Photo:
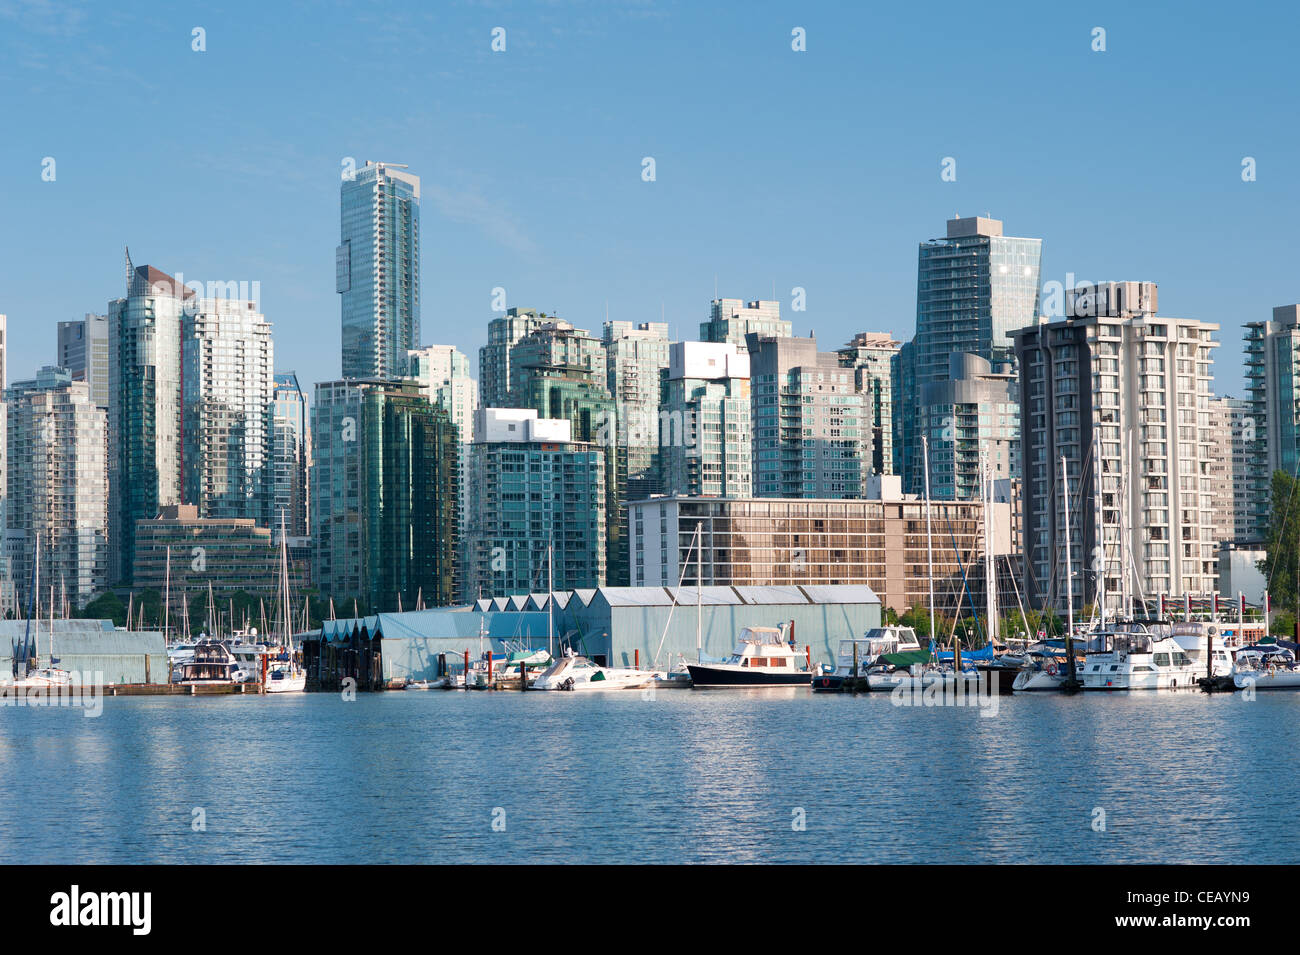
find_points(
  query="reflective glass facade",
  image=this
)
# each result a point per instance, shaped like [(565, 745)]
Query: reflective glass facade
[(377, 267)]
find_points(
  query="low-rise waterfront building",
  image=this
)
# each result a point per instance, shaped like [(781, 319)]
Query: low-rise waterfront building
[(229, 554), (614, 626), (878, 542)]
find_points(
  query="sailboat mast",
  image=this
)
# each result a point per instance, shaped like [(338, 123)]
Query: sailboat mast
[(1101, 527), (990, 569), (929, 535), (167, 599), (1069, 566), (36, 586), (699, 594), (550, 599)]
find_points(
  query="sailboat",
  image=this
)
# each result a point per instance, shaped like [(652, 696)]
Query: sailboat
[(680, 676), (892, 671), (284, 674), (28, 657)]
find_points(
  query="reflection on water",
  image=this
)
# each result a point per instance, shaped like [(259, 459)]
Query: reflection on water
[(681, 776)]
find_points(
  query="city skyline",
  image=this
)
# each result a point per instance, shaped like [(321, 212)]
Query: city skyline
[(543, 223)]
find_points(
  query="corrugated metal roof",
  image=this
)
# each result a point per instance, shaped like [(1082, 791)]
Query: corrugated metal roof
[(519, 602), (16, 628), (841, 594), (634, 596), (585, 596), (562, 599), (772, 595), (709, 596), (482, 604), (500, 603)]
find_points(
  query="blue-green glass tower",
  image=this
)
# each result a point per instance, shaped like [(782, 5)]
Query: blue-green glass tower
[(377, 270), (973, 288)]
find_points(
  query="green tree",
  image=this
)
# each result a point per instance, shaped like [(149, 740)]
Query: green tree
[(107, 606), (1281, 564)]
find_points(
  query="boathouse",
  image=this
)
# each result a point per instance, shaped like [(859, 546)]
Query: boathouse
[(88, 648), (618, 626)]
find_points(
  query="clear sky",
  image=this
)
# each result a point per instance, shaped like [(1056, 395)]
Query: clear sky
[(774, 168)]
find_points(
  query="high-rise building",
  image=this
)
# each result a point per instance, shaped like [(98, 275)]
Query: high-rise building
[(1271, 429), (57, 442), (145, 406), (807, 419), (443, 373), (504, 332), (534, 489), (732, 320), (561, 373), (636, 355), (555, 350), (1122, 394), (974, 288), (972, 424), (290, 457), (384, 491), (873, 356), (377, 267), (229, 387), (706, 446), (83, 350), (1231, 470)]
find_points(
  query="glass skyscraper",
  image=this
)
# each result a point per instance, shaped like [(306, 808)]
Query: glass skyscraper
[(229, 376), (377, 270), (974, 287), (384, 493), (145, 407)]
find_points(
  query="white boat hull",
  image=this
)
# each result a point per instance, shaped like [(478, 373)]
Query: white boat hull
[(1263, 680), (1031, 681), (292, 683)]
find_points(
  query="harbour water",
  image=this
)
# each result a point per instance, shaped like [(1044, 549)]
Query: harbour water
[(684, 776)]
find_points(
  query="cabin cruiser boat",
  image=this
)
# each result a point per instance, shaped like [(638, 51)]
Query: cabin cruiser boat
[(762, 658), (1265, 666), (1130, 657), (573, 672), (1195, 638), (212, 663), (857, 654)]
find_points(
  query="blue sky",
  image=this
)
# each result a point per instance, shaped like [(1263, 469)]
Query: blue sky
[(818, 169)]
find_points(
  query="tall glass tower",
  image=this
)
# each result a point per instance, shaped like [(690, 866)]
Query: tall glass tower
[(377, 270), (145, 406), (974, 287)]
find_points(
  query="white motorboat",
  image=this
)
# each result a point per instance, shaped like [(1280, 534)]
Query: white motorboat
[(212, 663), (762, 658), (573, 672), (1130, 657), (1266, 667), (856, 654), (1195, 637)]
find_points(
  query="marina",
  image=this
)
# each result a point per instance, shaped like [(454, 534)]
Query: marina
[(633, 777)]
